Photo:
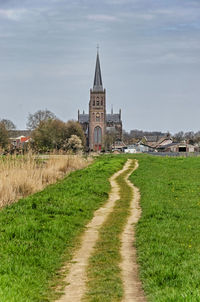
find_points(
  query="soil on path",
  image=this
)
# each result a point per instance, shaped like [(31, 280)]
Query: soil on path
[(76, 278), (132, 286)]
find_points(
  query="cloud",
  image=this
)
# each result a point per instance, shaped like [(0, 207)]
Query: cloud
[(12, 14), (178, 12), (102, 18), (137, 16), (122, 2), (171, 58)]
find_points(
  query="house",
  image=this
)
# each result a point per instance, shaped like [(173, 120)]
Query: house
[(118, 146), (20, 141), (162, 141), (131, 149)]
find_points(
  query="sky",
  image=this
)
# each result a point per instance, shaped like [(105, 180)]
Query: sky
[(149, 54)]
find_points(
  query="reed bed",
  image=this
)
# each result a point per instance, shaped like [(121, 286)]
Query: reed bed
[(21, 176)]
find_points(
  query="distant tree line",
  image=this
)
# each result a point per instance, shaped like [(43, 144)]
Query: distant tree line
[(135, 135), (140, 133), (47, 133), (50, 133), (190, 137)]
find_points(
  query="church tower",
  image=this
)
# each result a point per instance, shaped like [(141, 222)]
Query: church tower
[(97, 111), (97, 123)]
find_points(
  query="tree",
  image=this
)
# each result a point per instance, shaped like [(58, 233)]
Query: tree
[(3, 135), (74, 143), (178, 137), (9, 125), (126, 137), (189, 136), (54, 134), (109, 139), (197, 137), (39, 116), (74, 128), (50, 134)]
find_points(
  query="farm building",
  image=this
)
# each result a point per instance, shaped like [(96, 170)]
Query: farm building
[(119, 146), (20, 141), (178, 147), (162, 141), (137, 148)]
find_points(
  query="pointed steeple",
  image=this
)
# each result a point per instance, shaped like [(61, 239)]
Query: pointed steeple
[(98, 85)]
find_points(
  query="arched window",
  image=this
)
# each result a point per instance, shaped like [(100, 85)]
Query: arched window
[(93, 102), (97, 135), (97, 101), (102, 116), (101, 101)]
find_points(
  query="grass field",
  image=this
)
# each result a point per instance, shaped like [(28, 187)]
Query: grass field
[(38, 234), (105, 283), (168, 234)]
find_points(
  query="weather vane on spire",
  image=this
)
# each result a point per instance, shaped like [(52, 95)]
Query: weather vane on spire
[(97, 47)]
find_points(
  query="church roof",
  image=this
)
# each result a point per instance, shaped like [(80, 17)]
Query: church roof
[(113, 118), (98, 85), (83, 118)]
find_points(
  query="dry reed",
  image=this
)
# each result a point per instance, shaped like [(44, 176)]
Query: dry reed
[(25, 175)]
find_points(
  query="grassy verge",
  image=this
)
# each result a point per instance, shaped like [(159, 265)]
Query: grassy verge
[(104, 274), (168, 234), (38, 233)]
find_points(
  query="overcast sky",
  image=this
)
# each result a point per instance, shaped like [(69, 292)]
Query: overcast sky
[(149, 53)]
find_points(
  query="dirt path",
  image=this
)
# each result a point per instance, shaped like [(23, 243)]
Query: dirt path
[(76, 278), (132, 285)]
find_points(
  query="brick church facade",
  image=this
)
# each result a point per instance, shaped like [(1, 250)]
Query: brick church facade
[(97, 124)]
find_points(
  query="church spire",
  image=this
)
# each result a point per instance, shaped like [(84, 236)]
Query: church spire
[(98, 85)]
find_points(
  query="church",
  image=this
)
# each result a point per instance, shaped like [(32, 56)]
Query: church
[(97, 125)]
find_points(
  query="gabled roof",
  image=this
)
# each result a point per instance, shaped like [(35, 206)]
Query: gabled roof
[(98, 84), (162, 139), (157, 143), (83, 118), (152, 138), (113, 118), (168, 145)]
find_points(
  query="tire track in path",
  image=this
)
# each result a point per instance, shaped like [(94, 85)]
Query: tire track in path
[(132, 286), (76, 278)]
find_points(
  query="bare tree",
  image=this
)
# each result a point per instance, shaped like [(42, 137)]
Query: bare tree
[(34, 119), (110, 138), (189, 136), (9, 125), (197, 137), (178, 137)]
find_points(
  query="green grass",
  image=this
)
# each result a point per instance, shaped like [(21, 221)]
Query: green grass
[(105, 283), (39, 233), (168, 234)]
